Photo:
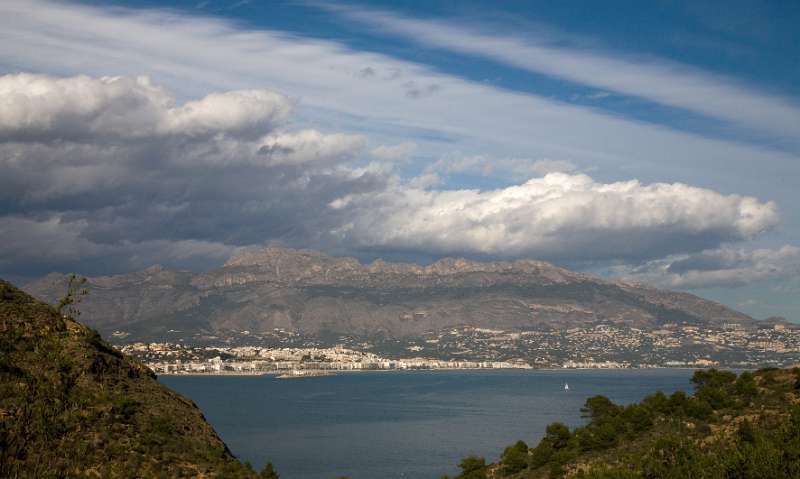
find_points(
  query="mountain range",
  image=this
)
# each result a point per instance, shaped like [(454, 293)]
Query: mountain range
[(310, 293)]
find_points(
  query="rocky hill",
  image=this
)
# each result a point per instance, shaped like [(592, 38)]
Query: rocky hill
[(72, 406), (314, 294)]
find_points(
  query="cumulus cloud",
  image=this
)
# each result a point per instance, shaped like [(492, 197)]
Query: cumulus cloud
[(557, 216), (236, 112), (721, 267), (398, 152), (310, 146), (42, 107), (115, 170)]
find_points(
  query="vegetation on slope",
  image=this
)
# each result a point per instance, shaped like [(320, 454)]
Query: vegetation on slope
[(745, 426), (72, 406)]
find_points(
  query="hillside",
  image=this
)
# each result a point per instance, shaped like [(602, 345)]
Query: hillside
[(72, 406), (314, 294), (732, 427)]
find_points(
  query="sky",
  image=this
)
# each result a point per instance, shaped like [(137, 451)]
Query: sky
[(653, 142)]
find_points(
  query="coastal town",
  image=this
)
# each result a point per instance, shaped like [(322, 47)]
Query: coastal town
[(165, 358), (595, 346)]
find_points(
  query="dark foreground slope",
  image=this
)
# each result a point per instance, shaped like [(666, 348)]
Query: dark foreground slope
[(71, 406), (732, 427)]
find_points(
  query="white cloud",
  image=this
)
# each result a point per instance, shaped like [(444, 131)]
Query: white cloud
[(398, 152), (310, 146), (84, 108), (424, 181), (67, 108), (242, 111), (516, 169), (725, 267), (93, 118), (558, 216)]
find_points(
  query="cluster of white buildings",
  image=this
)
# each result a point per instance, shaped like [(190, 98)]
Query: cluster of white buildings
[(595, 365), (175, 359)]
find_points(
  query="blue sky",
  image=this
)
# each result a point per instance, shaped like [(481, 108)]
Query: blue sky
[(653, 141)]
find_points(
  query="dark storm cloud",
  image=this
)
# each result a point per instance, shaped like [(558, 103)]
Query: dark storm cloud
[(110, 170)]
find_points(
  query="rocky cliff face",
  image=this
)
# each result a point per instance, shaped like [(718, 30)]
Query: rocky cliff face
[(309, 292)]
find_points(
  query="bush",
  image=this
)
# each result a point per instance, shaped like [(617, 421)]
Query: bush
[(125, 407), (712, 378), (638, 418), (473, 467), (268, 472), (597, 407), (746, 387), (515, 458), (699, 409), (558, 435), (746, 432), (677, 402)]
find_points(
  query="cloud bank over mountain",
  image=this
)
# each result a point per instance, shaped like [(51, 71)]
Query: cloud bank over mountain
[(117, 171)]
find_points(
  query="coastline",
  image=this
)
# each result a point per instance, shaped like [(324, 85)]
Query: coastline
[(361, 371)]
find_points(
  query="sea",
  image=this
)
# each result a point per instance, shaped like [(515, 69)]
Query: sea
[(402, 424)]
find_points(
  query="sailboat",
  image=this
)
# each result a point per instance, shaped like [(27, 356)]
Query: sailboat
[(566, 387)]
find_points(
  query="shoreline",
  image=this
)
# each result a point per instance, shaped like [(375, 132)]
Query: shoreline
[(360, 371)]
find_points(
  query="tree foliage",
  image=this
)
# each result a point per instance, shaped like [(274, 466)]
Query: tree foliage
[(745, 426), (76, 290), (473, 467), (515, 458)]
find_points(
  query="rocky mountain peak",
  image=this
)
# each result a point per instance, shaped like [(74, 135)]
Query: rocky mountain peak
[(311, 292), (271, 255), (288, 262)]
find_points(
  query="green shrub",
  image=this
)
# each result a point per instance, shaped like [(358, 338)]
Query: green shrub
[(515, 458), (597, 407), (268, 472), (473, 467)]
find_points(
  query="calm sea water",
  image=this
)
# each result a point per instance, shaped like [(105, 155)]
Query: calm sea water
[(388, 425)]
